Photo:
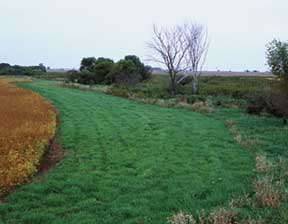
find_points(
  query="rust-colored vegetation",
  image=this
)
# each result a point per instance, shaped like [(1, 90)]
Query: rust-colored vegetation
[(27, 124)]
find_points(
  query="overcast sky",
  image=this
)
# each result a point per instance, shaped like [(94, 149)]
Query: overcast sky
[(59, 33)]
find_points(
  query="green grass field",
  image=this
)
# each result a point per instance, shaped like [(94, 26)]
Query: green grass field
[(133, 163)]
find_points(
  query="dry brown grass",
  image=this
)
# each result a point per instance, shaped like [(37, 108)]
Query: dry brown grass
[(220, 216), (240, 202), (262, 164), (27, 124), (253, 221), (238, 138), (269, 193), (270, 187), (202, 107), (231, 125), (245, 142), (248, 142), (182, 218)]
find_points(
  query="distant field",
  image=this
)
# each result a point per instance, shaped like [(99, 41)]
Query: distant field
[(225, 73)]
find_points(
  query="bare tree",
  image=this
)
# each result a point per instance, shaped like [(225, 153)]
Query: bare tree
[(181, 49), (171, 47), (196, 36)]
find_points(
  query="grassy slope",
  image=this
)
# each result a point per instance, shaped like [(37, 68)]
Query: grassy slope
[(131, 163), (267, 136)]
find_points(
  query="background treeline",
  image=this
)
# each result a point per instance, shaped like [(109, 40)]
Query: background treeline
[(17, 70), (129, 70)]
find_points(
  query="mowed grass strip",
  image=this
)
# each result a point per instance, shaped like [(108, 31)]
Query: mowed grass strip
[(27, 123), (131, 163)]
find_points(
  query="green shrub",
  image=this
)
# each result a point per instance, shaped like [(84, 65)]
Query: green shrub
[(277, 58), (101, 68), (87, 63), (93, 71), (104, 71), (143, 70), (257, 105), (123, 72), (275, 101)]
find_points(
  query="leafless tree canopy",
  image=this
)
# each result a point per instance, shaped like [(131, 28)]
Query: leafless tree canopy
[(197, 46), (180, 49), (196, 36), (169, 44)]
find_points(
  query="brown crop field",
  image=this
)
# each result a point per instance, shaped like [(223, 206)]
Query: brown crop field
[(27, 124)]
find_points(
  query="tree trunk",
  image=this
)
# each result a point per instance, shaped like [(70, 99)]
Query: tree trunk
[(195, 86), (173, 88), (173, 84)]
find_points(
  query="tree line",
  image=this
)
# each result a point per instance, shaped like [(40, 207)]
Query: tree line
[(17, 70), (129, 70)]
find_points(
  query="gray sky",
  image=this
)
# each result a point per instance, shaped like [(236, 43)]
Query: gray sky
[(60, 32)]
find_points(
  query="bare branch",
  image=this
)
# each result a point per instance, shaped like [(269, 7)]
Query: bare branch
[(170, 46), (197, 41), (180, 49)]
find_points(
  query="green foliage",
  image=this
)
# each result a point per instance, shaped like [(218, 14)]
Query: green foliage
[(16, 70), (42, 67), (124, 72), (127, 71), (87, 63), (277, 58), (93, 71), (101, 68), (4, 66), (86, 77), (141, 69)]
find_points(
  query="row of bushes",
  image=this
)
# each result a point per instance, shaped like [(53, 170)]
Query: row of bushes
[(17, 70), (129, 70), (256, 95)]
